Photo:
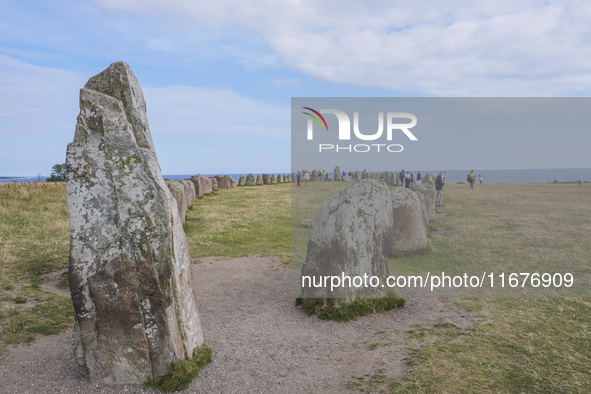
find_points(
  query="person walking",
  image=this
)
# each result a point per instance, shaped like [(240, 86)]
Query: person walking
[(471, 178), (419, 178), (480, 178), (298, 177), (306, 179), (439, 189)]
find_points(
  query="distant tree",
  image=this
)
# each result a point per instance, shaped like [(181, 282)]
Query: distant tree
[(58, 173)]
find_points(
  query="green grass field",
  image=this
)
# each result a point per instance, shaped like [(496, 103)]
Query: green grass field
[(520, 345)]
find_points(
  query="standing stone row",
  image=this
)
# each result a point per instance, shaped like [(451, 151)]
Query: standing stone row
[(357, 229)]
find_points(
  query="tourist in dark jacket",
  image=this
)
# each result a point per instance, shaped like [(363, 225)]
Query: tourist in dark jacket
[(439, 188)]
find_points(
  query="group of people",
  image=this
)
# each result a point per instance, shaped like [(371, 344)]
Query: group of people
[(408, 179), (471, 178)]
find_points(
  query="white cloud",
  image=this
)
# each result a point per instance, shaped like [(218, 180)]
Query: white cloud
[(438, 48)]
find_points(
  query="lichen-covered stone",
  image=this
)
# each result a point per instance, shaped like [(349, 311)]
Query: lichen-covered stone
[(409, 227), (232, 181), (266, 179), (259, 180), (351, 235), (214, 184), (129, 269), (241, 180)]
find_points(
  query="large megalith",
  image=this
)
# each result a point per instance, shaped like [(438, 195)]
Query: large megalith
[(351, 236), (129, 264), (241, 180), (410, 232), (250, 180)]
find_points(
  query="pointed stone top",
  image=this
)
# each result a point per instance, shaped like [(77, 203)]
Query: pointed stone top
[(119, 82)]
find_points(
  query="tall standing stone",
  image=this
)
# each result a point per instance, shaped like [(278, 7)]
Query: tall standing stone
[(177, 189), (266, 179), (129, 270), (214, 184), (337, 173), (206, 185), (259, 180), (241, 180), (196, 179)]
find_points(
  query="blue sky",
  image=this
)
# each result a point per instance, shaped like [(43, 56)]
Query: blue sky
[(218, 77)]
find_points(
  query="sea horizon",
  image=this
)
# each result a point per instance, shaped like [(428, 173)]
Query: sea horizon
[(546, 175)]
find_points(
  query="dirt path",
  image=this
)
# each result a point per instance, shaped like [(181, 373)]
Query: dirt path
[(261, 342)]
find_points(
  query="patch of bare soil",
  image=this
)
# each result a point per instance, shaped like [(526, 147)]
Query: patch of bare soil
[(260, 341), (52, 280)]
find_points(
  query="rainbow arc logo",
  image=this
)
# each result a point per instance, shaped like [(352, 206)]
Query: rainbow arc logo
[(315, 118)]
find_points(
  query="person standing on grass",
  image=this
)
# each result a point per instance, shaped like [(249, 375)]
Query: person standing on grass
[(471, 178), (439, 188), (480, 178), (407, 179), (298, 177), (419, 178), (306, 178), (401, 176)]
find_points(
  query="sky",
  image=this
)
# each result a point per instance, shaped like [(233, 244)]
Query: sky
[(218, 77)]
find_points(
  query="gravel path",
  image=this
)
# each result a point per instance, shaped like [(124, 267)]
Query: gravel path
[(261, 342)]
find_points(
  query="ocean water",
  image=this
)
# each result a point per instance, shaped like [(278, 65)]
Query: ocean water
[(452, 176)]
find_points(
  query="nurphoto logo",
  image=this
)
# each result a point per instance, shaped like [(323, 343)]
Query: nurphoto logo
[(344, 130)]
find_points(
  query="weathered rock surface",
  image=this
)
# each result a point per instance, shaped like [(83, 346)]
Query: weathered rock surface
[(427, 189), (129, 270), (188, 195), (357, 175), (259, 180), (266, 179), (337, 173), (214, 184), (231, 181), (250, 180), (428, 178), (177, 189), (206, 185), (351, 235), (241, 180), (409, 228), (223, 181), (193, 191), (196, 179)]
